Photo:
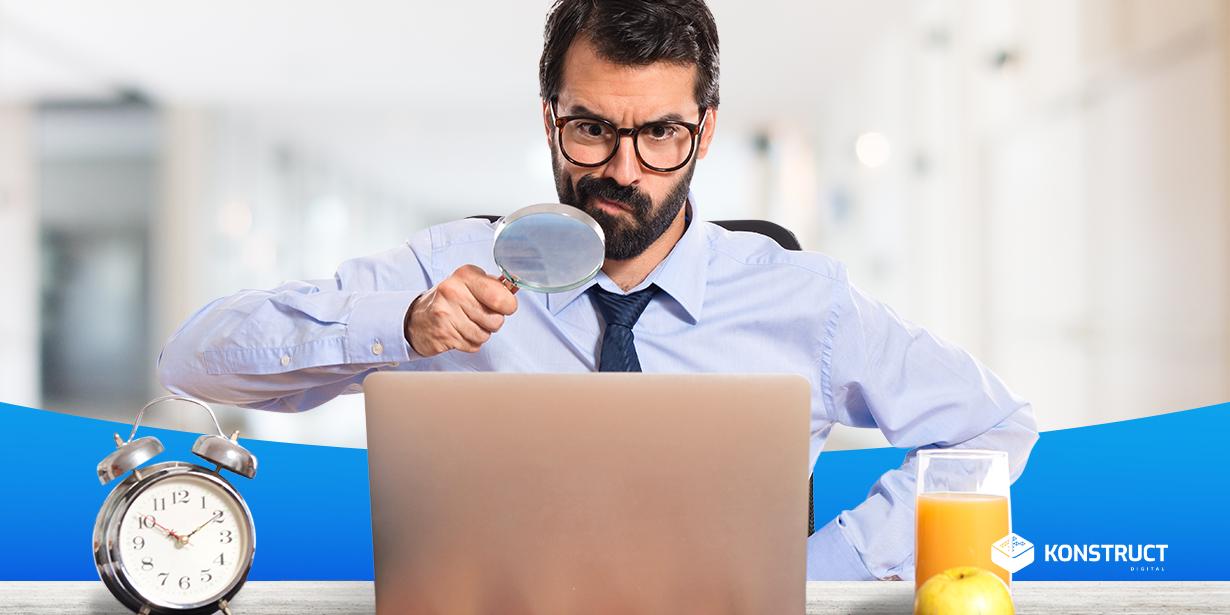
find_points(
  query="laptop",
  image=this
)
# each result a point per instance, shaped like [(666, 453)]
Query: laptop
[(588, 493)]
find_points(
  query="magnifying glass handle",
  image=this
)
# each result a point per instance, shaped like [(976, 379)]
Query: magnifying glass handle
[(512, 288)]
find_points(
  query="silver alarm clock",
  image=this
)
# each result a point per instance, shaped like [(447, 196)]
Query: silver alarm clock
[(174, 537)]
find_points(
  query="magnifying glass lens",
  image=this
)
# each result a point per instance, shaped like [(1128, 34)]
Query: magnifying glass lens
[(549, 250)]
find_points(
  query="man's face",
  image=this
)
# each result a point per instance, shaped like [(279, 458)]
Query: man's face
[(634, 205)]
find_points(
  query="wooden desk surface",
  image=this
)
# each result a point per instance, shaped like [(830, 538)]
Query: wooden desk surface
[(888, 598)]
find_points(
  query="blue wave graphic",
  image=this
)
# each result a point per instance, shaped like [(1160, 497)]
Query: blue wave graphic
[(311, 503), (1152, 481)]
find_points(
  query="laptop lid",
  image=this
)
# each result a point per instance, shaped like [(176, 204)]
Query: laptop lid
[(588, 493)]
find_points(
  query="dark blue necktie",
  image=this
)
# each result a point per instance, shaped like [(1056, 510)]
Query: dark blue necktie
[(620, 313)]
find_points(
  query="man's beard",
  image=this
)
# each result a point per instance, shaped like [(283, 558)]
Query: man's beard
[(624, 240)]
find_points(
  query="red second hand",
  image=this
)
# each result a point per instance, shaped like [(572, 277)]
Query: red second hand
[(171, 532)]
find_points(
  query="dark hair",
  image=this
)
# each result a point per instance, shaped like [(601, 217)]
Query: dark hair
[(633, 33)]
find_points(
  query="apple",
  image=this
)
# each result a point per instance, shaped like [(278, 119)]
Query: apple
[(964, 590)]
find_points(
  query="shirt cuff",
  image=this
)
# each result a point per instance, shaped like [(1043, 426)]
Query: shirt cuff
[(374, 331), (831, 558)]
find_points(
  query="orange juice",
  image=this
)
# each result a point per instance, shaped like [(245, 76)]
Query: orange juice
[(957, 529)]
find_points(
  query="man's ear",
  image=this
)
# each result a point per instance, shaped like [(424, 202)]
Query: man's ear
[(706, 134), (546, 121)]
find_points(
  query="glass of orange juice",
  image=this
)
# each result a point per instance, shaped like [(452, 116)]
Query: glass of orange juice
[(961, 509)]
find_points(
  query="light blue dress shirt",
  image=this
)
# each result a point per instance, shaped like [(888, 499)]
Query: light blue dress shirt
[(730, 303)]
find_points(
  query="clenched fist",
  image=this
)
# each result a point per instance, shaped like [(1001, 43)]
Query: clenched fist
[(459, 313)]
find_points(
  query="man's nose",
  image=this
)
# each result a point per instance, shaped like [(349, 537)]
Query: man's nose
[(624, 167)]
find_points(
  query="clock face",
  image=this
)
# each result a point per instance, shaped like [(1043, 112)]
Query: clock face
[(184, 540)]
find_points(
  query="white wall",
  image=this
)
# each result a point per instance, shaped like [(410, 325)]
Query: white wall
[(1062, 214), (1066, 209), (19, 323), (1107, 212)]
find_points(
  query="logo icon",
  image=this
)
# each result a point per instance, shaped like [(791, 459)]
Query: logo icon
[(1012, 553)]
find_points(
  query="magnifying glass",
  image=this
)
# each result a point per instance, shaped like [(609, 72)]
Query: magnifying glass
[(548, 248)]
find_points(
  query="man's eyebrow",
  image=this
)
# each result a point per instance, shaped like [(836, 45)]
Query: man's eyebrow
[(583, 110), (586, 111), (670, 117)]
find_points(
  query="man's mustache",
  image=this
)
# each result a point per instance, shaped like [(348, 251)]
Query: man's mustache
[(590, 187)]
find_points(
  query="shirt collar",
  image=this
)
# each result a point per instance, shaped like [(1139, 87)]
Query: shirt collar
[(681, 274)]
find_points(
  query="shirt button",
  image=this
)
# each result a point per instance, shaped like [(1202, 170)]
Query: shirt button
[(377, 349), (394, 364), (285, 359)]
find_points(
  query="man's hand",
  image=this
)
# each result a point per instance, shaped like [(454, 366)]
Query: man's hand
[(459, 313)]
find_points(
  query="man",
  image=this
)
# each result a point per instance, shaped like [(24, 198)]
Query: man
[(630, 97)]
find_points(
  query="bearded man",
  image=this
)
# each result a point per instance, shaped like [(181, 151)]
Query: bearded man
[(629, 106)]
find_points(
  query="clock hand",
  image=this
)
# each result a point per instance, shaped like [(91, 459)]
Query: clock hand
[(210, 520), (171, 533)]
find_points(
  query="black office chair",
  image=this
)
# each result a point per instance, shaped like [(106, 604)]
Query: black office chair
[(772, 230), (787, 240)]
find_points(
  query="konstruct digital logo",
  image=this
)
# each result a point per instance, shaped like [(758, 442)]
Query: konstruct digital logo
[(1150, 557), (1012, 553)]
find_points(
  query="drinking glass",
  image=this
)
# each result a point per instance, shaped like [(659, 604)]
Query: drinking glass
[(961, 509)]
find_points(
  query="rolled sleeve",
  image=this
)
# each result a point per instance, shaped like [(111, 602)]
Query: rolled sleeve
[(920, 391), (295, 346), (831, 558), (275, 360), (374, 333)]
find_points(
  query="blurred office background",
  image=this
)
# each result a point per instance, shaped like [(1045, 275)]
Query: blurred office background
[(1043, 182)]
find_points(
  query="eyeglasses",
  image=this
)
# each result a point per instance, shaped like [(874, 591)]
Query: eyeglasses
[(592, 142)]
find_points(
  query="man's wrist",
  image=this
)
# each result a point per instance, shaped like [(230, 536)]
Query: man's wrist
[(405, 323)]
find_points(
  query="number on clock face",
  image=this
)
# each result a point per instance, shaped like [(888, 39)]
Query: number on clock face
[(182, 540)]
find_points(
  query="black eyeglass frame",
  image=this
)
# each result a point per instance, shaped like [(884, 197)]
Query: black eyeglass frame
[(693, 129)]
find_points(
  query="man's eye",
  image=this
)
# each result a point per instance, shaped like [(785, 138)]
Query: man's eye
[(591, 129), (663, 131)]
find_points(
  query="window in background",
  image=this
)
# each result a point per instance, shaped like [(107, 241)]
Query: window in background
[(97, 168)]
